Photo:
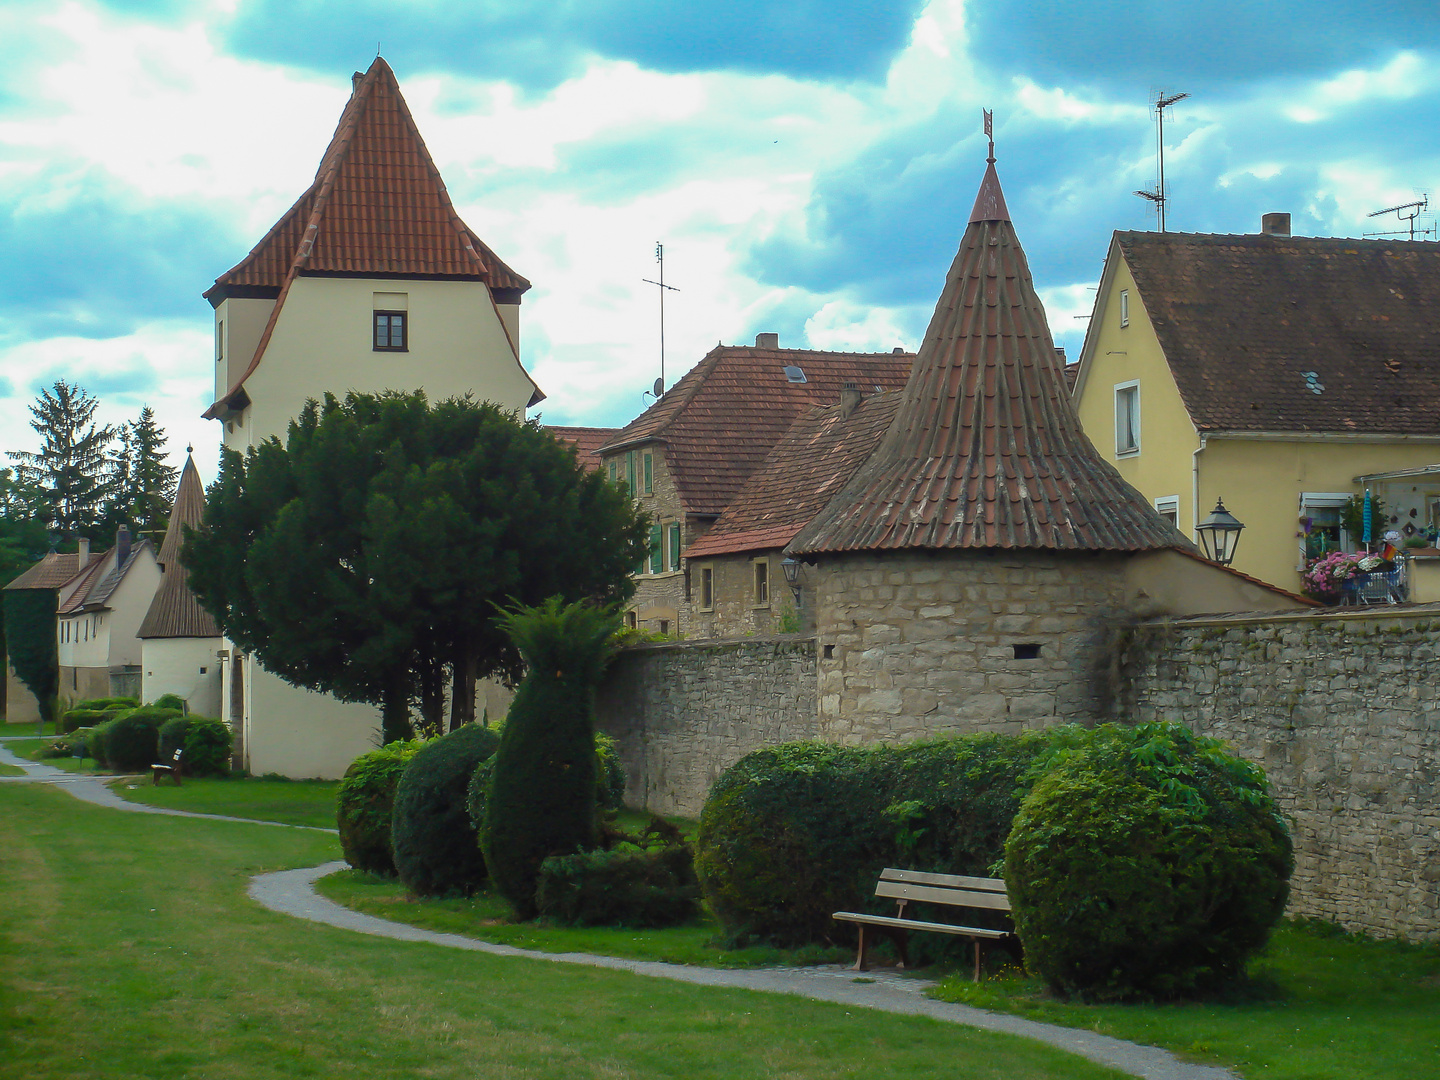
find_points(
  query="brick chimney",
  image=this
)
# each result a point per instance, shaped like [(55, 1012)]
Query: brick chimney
[(1275, 225), (767, 341), (849, 399), (84, 553), (122, 546)]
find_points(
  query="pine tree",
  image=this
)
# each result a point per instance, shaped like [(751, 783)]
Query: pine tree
[(73, 464), (142, 484)]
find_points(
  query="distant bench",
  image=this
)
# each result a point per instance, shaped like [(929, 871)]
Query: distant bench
[(172, 770), (949, 890)]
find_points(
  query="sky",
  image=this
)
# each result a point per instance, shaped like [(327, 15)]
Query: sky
[(809, 165)]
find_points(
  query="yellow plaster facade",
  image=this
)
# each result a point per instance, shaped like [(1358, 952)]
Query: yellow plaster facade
[(1266, 480)]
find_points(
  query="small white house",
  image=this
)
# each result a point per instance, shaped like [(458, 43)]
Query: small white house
[(100, 610)]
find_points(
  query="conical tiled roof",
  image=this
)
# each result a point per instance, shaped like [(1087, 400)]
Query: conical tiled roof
[(174, 611), (986, 450)]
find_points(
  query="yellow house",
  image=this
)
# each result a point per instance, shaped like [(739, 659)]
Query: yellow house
[(1269, 371)]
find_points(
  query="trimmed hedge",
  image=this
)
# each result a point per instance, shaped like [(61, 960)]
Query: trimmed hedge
[(95, 711), (171, 701), (1147, 863), (624, 887), (542, 795), (132, 740), (95, 743), (206, 743), (609, 789), (365, 804), (792, 833), (434, 844)]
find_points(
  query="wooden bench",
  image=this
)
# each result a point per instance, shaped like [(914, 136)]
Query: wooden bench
[(172, 770), (949, 890)]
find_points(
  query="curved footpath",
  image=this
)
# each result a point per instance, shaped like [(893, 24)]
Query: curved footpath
[(292, 892)]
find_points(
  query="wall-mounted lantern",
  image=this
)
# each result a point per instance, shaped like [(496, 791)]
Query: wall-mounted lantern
[(1219, 534), (791, 567)]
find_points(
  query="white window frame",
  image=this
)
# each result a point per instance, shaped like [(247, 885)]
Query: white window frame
[(1169, 506), (1128, 391), (1124, 308), (757, 599), (705, 578), (1325, 500)]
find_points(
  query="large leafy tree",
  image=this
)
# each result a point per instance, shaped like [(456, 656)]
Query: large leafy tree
[(142, 484), (24, 509), (366, 555), (73, 463)]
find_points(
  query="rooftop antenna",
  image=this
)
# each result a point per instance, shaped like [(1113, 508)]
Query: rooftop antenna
[(1162, 102), (660, 258), (1416, 209)]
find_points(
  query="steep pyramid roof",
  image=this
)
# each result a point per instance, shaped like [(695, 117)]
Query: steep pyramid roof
[(378, 207), (986, 450), (174, 611)]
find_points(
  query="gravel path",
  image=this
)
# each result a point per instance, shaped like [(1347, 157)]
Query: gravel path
[(292, 892)]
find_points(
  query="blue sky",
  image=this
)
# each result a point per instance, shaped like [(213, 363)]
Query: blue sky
[(809, 164)]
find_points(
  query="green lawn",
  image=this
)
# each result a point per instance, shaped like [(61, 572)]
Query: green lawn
[(29, 749), (11, 770), (1320, 1006), (294, 802), (485, 916), (129, 949)]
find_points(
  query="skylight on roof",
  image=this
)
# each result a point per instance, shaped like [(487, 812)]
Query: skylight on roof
[(794, 374)]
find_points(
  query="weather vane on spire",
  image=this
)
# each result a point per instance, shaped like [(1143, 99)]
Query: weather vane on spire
[(990, 133)]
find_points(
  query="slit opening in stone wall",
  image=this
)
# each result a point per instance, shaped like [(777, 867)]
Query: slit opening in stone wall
[(1027, 651), (829, 652)]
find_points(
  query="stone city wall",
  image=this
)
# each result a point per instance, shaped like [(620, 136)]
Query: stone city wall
[(1343, 712), (683, 713)]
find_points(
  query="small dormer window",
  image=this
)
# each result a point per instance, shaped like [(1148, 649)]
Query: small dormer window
[(794, 374), (391, 331)]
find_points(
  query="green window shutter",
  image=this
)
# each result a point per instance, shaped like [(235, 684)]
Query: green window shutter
[(649, 480), (657, 554), (630, 470), (612, 470), (674, 545)]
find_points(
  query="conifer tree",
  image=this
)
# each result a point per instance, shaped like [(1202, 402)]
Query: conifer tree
[(73, 463), (142, 483)]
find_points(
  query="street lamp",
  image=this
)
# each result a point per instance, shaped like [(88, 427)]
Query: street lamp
[(1219, 533), (791, 567)]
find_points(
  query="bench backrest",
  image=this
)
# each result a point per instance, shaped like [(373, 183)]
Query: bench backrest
[(953, 889)]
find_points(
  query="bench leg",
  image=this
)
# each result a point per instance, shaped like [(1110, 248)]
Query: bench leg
[(902, 946), (862, 957), (977, 960)]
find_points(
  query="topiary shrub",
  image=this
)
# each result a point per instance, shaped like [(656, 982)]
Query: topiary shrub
[(132, 740), (95, 743), (541, 800), (1148, 862), (434, 844), (206, 742), (171, 701), (365, 804), (792, 833), (115, 704), (624, 887), (87, 716)]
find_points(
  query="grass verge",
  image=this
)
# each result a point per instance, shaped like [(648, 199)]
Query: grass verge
[(293, 802), (1319, 1005), (130, 950), (486, 917)]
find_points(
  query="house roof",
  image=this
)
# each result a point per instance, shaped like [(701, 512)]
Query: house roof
[(377, 207), (721, 419), (174, 611), (986, 450), (97, 585), (819, 453), (1295, 333), (51, 572), (585, 440)]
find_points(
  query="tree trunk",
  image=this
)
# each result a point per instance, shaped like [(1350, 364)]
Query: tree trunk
[(432, 698), (462, 691), (395, 714)]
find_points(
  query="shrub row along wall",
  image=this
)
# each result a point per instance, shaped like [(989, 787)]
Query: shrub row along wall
[(1343, 711), (682, 713)]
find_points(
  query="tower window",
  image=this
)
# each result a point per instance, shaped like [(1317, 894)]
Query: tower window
[(391, 331)]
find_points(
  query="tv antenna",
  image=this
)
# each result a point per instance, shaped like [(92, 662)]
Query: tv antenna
[(660, 258), (1415, 209), (1162, 102)]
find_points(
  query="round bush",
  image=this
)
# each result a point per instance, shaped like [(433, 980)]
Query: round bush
[(172, 737), (435, 847), (365, 804), (609, 790), (170, 701), (208, 743), (95, 743), (624, 887), (132, 740), (1147, 863), (795, 832)]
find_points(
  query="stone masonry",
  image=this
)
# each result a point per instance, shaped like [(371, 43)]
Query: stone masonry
[(930, 643), (683, 713), (1343, 712)]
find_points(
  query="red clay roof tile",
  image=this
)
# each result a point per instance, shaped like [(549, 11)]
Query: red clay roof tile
[(585, 440)]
